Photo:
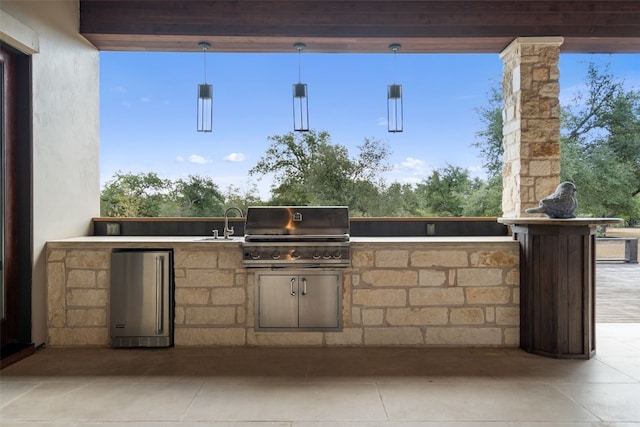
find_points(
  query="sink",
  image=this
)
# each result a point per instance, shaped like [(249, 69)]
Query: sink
[(219, 239)]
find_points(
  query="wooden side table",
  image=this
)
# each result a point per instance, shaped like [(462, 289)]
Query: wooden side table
[(557, 284)]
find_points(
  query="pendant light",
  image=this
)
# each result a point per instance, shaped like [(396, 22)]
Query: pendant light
[(300, 99), (394, 98), (205, 97)]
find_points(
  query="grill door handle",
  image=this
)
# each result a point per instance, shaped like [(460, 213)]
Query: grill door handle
[(293, 280), (304, 286)]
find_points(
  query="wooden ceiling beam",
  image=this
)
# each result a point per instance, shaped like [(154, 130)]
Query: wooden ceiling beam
[(358, 25)]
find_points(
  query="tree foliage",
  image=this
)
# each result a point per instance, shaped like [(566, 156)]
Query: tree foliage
[(601, 146), (308, 169), (133, 195), (147, 195)]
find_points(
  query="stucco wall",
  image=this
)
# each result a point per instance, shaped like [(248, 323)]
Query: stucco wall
[(65, 85)]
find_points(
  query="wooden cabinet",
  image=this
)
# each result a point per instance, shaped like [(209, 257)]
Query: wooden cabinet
[(557, 285), (299, 300)]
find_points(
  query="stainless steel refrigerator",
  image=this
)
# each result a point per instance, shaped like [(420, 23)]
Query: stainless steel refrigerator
[(141, 298)]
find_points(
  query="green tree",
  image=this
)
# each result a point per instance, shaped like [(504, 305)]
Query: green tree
[(490, 137), (309, 169), (235, 196), (134, 195), (445, 190), (197, 197), (601, 146)]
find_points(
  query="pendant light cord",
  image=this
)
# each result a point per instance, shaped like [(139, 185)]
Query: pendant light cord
[(204, 52)]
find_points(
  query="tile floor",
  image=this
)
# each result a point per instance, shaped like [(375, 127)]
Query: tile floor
[(338, 387)]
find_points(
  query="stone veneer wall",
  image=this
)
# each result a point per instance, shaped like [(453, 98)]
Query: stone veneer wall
[(402, 294), (531, 122)]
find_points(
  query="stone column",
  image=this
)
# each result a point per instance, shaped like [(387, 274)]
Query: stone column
[(531, 122)]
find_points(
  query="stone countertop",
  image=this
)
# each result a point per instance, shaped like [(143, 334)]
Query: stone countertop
[(237, 240)]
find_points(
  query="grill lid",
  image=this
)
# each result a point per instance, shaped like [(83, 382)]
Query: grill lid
[(314, 222)]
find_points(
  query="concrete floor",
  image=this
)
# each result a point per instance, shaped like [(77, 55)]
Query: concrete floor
[(337, 387)]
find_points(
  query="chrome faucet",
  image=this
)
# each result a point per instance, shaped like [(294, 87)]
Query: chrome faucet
[(229, 231)]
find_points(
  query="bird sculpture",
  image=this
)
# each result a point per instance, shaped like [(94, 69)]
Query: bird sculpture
[(561, 204)]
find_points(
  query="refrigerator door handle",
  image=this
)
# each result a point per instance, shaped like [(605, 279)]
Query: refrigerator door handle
[(159, 293)]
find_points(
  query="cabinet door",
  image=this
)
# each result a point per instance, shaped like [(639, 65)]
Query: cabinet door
[(319, 300), (277, 301)]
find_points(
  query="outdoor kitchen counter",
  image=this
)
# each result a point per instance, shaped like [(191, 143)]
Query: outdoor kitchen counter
[(206, 240), (398, 291)]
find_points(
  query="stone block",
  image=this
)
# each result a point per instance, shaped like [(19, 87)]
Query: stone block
[(287, 339), (436, 296), (467, 316), (417, 316), (488, 295), (372, 317), (347, 337), (56, 294), (393, 336), (209, 336), (192, 296), (490, 314), (495, 258), (432, 278), (439, 258), (210, 316), (389, 278), (463, 336), (87, 317), (361, 258), (88, 259), (512, 337), (197, 278), (508, 316), (513, 277), (81, 279), (540, 73), (227, 296), (380, 297), (78, 337), (241, 315), (195, 259), (230, 259), (102, 279), (479, 276), (356, 315), (391, 258), (56, 255), (87, 298), (178, 315)]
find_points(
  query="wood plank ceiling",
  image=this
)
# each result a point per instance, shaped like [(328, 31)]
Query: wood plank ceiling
[(469, 26)]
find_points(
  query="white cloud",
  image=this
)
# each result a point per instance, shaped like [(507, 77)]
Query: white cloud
[(235, 157), (194, 158), (126, 104), (382, 121), (179, 159), (415, 166), (120, 89), (145, 99)]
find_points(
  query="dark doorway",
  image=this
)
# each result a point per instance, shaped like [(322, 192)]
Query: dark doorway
[(15, 204)]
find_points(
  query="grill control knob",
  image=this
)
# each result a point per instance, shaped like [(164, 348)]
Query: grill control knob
[(316, 254), (275, 254), (254, 254), (337, 254), (296, 254)]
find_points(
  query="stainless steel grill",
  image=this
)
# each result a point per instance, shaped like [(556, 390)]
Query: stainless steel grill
[(297, 236)]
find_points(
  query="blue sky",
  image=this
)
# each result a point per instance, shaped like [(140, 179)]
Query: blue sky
[(148, 108)]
